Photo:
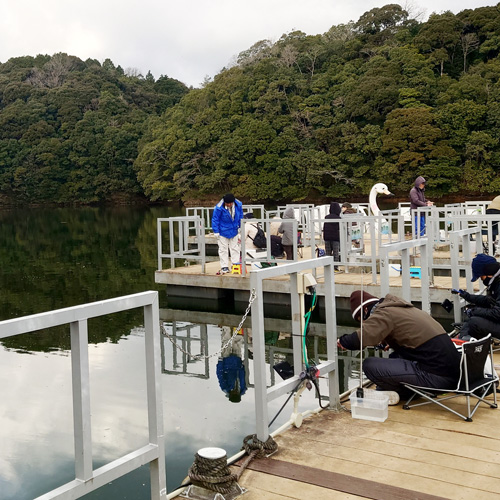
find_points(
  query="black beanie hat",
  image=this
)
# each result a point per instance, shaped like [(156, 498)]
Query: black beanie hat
[(361, 299), (483, 265), (229, 198)]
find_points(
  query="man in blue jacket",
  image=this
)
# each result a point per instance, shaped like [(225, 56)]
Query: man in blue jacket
[(226, 221)]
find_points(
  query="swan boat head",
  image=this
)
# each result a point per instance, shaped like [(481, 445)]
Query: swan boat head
[(377, 189)]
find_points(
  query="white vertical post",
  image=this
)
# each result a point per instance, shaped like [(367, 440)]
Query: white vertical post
[(154, 393), (81, 400), (159, 243), (171, 237), (261, 412), (295, 299), (405, 274), (425, 250), (331, 336), (384, 271)]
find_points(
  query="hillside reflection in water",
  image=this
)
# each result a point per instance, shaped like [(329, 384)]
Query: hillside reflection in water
[(62, 257)]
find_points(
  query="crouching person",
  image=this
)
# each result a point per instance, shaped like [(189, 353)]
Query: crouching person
[(423, 353), (484, 313)]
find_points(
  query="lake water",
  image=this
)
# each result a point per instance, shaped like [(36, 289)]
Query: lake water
[(59, 257)]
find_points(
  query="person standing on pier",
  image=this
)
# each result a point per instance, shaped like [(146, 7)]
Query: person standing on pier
[(417, 199), (286, 229), (423, 353), (331, 232), (226, 221)]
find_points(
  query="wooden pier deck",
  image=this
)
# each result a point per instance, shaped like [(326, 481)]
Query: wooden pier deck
[(422, 453), (425, 453)]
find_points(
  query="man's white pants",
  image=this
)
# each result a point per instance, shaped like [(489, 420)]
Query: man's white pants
[(227, 245)]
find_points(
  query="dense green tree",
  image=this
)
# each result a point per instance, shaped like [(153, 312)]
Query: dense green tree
[(384, 98), (69, 129)]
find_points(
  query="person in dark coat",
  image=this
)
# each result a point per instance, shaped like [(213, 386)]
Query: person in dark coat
[(417, 199), (423, 353), (331, 232), (484, 316)]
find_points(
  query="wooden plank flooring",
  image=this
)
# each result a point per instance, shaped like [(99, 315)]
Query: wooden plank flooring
[(423, 451)]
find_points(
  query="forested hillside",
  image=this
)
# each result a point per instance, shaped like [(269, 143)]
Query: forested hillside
[(383, 99), (69, 128)]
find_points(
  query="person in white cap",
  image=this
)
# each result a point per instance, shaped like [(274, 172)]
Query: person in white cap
[(423, 353)]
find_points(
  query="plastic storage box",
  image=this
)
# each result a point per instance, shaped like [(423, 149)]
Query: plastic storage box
[(373, 406)]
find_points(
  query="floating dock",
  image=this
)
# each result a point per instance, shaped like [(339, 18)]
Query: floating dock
[(424, 453), (421, 454), (189, 283)]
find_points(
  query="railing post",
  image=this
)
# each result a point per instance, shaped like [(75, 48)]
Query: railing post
[(159, 243), (81, 400), (425, 250), (154, 394), (296, 324), (261, 412), (331, 336), (384, 271)]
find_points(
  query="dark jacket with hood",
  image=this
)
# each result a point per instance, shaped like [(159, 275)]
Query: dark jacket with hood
[(412, 333), (417, 195), (331, 230), (487, 306)]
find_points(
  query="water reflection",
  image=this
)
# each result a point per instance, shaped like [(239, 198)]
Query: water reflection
[(55, 258), (231, 371)]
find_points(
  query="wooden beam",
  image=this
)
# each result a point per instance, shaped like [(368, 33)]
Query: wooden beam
[(334, 481)]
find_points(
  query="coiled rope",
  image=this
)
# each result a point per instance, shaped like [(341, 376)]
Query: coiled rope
[(214, 473)]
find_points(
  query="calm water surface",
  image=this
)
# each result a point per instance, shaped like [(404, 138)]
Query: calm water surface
[(55, 258)]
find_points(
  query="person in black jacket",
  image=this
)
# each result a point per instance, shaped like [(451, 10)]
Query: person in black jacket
[(484, 316), (331, 232)]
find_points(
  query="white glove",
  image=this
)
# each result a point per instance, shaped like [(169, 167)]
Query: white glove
[(216, 235)]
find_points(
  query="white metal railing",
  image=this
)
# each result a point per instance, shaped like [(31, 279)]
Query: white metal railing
[(263, 395), (86, 478), (252, 255), (206, 213), (179, 229), (441, 222), (404, 248), (460, 261)]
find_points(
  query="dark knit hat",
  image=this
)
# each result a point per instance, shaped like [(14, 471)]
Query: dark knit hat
[(229, 198), (359, 300), (484, 265)]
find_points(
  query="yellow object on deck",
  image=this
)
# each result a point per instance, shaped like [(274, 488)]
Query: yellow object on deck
[(236, 269)]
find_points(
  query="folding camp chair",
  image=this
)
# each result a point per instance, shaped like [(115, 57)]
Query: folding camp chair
[(474, 383)]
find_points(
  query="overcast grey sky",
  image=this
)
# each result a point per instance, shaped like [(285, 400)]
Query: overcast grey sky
[(186, 39)]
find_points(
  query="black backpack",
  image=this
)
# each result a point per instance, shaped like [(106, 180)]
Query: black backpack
[(259, 240)]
